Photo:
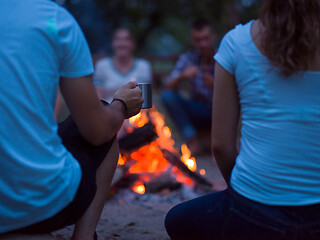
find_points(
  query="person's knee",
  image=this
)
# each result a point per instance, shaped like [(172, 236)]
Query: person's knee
[(168, 96), (170, 221), (175, 222)]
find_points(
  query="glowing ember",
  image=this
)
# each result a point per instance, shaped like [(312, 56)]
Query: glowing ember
[(190, 162), (167, 132), (139, 188), (202, 172), (121, 160)]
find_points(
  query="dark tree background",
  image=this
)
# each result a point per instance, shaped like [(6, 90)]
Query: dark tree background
[(161, 27)]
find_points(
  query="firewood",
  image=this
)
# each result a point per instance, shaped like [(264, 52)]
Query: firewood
[(162, 182), (138, 138), (175, 160)]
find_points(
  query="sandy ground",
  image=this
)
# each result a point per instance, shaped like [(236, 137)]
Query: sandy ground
[(142, 219)]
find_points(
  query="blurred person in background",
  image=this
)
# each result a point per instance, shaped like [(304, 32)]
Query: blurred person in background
[(192, 111), (111, 73), (52, 176), (270, 69)]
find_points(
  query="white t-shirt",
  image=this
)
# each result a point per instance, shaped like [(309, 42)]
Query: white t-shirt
[(39, 42), (109, 79)]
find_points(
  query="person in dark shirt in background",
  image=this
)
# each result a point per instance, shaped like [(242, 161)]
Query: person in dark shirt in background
[(192, 111)]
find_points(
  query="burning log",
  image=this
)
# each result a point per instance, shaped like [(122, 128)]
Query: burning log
[(175, 160), (160, 183), (151, 146), (138, 138)]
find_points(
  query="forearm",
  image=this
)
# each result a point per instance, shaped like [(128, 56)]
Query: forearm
[(97, 123), (225, 159), (101, 124), (118, 113)]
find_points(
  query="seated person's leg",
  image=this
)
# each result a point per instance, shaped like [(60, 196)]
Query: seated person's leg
[(175, 106), (200, 218), (200, 114), (88, 222), (104, 158), (98, 164), (189, 116)]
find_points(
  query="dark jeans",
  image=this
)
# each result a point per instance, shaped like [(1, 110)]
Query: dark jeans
[(228, 215), (188, 115)]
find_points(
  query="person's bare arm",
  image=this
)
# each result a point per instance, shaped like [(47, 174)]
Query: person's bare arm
[(225, 119), (98, 123)]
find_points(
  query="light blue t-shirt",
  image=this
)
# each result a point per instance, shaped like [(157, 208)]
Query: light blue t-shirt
[(279, 158), (39, 42)]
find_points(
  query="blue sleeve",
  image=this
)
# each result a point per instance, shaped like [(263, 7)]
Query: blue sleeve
[(75, 56), (181, 64), (226, 53)]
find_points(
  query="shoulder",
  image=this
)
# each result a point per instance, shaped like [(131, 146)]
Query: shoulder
[(232, 44), (240, 33), (67, 25), (63, 14)]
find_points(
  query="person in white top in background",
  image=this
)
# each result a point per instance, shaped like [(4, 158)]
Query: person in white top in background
[(111, 73)]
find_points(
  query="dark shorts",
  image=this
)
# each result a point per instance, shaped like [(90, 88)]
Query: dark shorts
[(89, 157)]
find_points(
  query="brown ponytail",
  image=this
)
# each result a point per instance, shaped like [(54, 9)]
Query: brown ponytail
[(291, 39)]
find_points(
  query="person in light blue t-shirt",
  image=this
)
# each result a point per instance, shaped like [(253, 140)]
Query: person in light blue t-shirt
[(268, 75), (52, 176)]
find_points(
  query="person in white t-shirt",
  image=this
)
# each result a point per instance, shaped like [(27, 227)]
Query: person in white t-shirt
[(111, 73), (52, 176)]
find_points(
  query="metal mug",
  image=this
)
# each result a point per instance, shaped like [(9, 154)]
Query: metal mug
[(146, 89)]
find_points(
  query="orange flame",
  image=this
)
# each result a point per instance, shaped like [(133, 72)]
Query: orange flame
[(139, 188), (186, 154), (139, 120), (149, 158), (121, 160)]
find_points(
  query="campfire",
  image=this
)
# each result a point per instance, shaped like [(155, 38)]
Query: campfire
[(150, 159)]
